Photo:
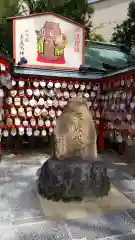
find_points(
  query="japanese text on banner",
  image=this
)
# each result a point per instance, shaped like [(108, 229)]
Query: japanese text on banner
[(77, 40), (21, 45), (24, 39)]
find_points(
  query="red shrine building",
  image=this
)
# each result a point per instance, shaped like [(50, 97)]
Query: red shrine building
[(51, 65)]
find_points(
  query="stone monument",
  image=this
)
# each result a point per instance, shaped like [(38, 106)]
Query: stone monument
[(74, 170), (75, 134)]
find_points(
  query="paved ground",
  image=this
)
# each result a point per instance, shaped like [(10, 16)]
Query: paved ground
[(25, 215)]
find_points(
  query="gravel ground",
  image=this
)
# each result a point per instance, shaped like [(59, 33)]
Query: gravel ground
[(26, 215)]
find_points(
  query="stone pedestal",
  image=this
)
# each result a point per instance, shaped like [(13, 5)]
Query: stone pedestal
[(73, 180)]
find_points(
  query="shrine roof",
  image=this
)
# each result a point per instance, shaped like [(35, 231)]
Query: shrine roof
[(70, 74), (6, 58), (103, 60), (107, 57), (56, 73)]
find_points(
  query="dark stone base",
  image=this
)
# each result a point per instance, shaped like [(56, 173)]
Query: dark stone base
[(73, 180)]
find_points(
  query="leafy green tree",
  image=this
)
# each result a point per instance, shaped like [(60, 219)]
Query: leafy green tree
[(72, 9), (96, 37), (8, 9), (125, 32), (76, 10)]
